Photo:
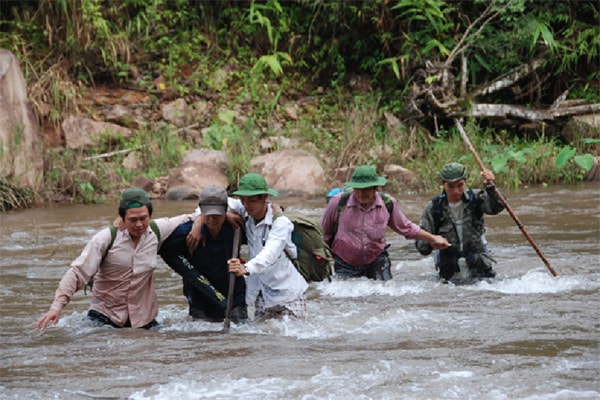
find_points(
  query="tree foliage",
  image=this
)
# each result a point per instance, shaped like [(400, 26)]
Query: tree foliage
[(422, 60), (384, 39)]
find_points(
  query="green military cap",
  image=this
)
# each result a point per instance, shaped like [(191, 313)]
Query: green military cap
[(133, 197)]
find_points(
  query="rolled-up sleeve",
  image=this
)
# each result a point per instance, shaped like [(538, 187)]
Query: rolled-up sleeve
[(399, 223)]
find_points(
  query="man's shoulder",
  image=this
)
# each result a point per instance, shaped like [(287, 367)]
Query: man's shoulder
[(282, 221), (183, 229), (280, 218), (387, 198), (177, 236), (105, 236)]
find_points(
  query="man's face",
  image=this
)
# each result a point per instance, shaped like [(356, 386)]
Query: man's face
[(137, 220), (365, 196), (455, 190), (214, 222), (256, 206)]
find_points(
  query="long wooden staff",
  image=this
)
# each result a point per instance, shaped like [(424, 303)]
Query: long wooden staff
[(234, 254), (464, 136)]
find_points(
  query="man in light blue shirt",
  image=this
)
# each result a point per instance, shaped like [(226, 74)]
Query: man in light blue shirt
[(273, 284)]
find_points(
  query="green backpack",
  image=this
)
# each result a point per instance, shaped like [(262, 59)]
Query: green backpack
[(315, 260), (113, 235)]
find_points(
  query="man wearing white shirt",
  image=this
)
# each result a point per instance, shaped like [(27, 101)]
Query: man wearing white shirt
[(274, 285)]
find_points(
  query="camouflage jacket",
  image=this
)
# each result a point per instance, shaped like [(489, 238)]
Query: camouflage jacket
[(437, 219)]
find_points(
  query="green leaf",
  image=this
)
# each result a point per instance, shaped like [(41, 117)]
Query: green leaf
[(586, 161), (499, 163), (483, 63), (590, 141), (565, 155), (226, 116)]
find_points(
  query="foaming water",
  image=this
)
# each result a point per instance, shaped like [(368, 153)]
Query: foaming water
[(524, 335), (538, 281)]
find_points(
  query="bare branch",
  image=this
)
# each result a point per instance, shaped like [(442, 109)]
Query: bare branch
[(508, 110), (463, 75), (507, 79), (114, 153), (461, 46), (576, 110), (559, 100)]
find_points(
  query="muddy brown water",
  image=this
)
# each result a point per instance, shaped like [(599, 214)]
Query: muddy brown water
[(526, 335)]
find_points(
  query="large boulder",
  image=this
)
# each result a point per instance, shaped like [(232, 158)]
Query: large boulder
[(198, 169), (401, 175), (21, 145), (85, 133), (292, 172)]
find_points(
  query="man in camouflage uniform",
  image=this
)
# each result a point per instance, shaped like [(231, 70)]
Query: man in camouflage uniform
[(457, 215)]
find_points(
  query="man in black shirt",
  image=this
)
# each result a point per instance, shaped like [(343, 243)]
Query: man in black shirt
[(205, 272)]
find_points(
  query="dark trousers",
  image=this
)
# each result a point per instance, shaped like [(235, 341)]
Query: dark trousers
[(102, 319), (378, 270)]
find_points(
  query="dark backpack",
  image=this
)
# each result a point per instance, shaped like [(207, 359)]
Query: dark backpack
[(315, 260), (113, 235)]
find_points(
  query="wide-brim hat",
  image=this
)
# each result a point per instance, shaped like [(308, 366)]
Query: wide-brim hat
[(453, 172), (213, 200), (253, 184), (365, 176), (133, 197)]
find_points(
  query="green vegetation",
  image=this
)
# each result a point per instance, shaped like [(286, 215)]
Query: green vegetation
[(12, 196), (352, 64)]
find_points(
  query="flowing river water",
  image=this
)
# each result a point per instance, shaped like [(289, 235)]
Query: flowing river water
[(525, 335)]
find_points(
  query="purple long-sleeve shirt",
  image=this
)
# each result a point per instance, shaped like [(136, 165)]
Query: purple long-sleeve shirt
[(360, 236)]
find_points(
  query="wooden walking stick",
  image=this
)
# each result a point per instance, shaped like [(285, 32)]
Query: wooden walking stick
[(234, 254), (465, 138)]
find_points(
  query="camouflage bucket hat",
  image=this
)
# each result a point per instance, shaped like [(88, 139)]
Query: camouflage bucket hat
[(453, 172)]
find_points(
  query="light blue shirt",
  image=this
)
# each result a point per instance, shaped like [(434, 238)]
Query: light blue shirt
[(271, 270)]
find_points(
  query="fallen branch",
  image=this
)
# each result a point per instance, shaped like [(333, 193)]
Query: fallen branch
[(113, 153), (508, 79), (124, 151), (507, 110)]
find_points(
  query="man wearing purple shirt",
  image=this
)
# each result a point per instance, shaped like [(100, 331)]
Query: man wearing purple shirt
[(357, 238)]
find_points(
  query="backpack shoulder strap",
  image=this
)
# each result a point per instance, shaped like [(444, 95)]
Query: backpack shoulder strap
[(437, 212), (340, 208), (113, 235), (155, 229), (475, 207), (344, 200), (387, 199)]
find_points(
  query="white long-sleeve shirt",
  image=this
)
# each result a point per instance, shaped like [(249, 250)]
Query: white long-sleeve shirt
[(271, 270)]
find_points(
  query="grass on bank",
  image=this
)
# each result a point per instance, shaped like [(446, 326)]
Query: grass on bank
[(13, 197), (343, 131), (516, 162)]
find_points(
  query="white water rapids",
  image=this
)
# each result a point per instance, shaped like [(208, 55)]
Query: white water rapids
[(525, 335)]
